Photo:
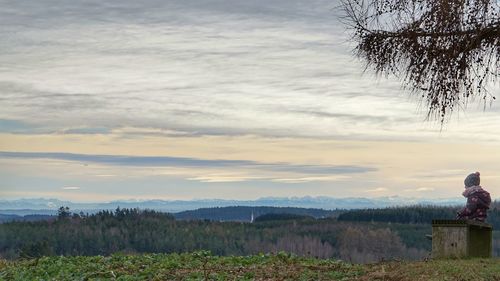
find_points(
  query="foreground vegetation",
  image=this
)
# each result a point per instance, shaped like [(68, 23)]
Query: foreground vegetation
[(203, 266)]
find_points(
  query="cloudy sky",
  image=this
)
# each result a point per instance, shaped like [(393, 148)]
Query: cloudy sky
[(236, 99)]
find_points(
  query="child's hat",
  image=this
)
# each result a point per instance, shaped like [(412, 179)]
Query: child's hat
[(472, 179)]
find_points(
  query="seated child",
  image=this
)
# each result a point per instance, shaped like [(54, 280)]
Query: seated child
[(478, 199)]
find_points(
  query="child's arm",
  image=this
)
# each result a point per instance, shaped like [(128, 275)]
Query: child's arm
[(470, 207)]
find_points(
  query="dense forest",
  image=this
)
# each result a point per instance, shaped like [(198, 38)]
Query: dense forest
[(414, 214), (136, 231)]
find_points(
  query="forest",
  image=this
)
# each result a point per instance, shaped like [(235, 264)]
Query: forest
[(357, 236), (414, 214), (143, 231)]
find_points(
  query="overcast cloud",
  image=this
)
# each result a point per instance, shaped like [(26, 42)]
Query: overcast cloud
[(275, 68), (195, 68)]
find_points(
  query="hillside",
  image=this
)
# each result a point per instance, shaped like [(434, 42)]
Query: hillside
[(202, 266), (244, 213), (9, 218)]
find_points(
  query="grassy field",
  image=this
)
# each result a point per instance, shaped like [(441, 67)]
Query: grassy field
[(202, 266)]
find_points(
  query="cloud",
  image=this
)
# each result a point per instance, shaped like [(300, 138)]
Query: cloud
[(378, 189), (320, 178), (352, 117), (22, 127), (421, 189), (71, 188), (224, 178), (165, 161), (113, 65), (87, 130), (15, 126)]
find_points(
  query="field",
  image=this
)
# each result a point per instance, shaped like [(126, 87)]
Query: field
[(203, 266)]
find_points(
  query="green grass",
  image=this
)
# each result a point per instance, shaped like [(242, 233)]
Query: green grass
[(202, 266)]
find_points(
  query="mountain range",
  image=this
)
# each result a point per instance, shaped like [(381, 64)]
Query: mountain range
[(50, 206)]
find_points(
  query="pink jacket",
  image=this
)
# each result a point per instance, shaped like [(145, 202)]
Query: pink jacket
[(478, 203)]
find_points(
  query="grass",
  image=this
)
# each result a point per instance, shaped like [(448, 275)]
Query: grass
[(203, 266), (435, 270)]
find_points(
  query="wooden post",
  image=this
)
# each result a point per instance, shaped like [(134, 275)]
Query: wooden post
[(461, 239)]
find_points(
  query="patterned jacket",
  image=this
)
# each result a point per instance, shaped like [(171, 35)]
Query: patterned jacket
[(478, 203)]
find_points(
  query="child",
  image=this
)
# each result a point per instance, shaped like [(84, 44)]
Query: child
[(478, 199)]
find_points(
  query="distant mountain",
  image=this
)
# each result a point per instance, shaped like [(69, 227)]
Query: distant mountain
[(49, 206), (245, 213), (27, 212)]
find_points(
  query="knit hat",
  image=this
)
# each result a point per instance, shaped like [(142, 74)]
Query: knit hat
[(472, 180)]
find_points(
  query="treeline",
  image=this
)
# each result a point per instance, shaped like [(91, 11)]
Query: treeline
[(8, 218), (281, 217), (244, 213), (414, 214), (141, 231)]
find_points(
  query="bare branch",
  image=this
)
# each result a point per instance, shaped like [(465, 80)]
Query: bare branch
[(446, 51)]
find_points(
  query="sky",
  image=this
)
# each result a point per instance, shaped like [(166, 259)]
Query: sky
[(234, 99)]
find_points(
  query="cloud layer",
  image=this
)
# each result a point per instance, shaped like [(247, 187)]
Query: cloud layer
[(163, 161), (271, 68)]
